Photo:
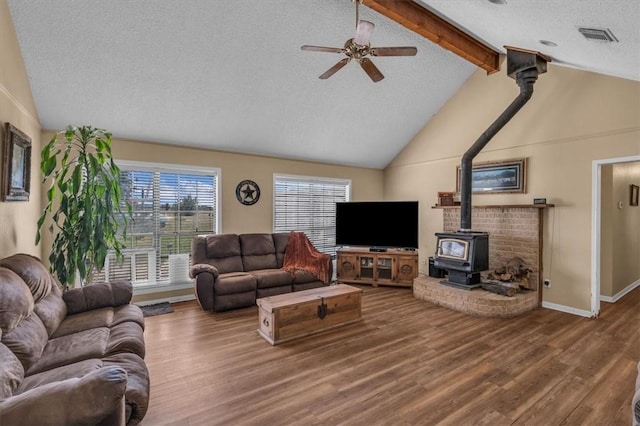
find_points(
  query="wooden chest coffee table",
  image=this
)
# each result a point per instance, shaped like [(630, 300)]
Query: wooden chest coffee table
[(292, 315)]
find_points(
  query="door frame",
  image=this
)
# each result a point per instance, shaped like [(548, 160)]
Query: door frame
[(596, 217)]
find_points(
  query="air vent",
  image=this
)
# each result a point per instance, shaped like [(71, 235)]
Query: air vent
[(598, 34)]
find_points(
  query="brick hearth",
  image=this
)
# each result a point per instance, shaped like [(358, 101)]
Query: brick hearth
[(477, 302)]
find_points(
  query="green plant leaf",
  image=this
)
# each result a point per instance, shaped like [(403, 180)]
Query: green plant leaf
[(83, 201)]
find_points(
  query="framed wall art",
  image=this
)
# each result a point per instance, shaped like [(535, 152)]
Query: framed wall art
[(633, 194), (16, 165), (497, 176)]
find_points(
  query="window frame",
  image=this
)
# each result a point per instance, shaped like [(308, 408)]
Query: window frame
[(179, 169), (311, 180)]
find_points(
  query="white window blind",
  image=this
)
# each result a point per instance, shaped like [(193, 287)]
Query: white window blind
[(170, 205), (308, 204)]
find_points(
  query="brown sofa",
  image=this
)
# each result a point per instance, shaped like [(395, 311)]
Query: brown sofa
[(232, 271), (68, 359)]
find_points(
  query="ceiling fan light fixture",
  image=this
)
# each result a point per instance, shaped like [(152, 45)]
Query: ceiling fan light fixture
[(358, 48), (363, 33)]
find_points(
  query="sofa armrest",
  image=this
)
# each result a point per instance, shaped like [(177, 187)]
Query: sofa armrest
[(203, 267), (97, 296), (97, 398)]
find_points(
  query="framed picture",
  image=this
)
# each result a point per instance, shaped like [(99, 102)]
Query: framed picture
[(633, 194), (497, 176), (16, 165)]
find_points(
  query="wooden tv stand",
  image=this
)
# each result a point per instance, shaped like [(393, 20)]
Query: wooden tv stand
[(394, 267)]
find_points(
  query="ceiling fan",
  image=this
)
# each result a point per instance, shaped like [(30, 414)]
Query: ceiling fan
[(358, 48)]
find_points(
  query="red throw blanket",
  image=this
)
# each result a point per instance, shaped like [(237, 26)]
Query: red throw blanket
[(301, 254)]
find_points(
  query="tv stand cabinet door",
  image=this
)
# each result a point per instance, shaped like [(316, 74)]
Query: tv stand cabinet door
[(407, 268), (348, 266), (385, 269)]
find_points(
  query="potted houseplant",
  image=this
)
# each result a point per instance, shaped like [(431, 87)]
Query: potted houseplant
[(84, 203)]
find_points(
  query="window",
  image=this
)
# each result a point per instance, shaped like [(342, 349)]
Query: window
[(308, 204), (170, 205)]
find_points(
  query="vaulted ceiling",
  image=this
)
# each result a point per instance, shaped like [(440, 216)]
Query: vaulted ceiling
[(230, 75)]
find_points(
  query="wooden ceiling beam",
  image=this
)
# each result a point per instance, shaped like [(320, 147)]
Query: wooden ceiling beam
[(426, 23)]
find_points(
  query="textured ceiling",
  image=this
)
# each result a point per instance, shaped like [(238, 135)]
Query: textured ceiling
[(523, 23), (230, 75)]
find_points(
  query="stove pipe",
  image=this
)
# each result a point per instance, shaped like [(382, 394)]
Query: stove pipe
[(523, 66)]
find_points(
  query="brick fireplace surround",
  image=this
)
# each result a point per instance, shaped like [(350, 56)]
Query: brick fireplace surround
[(514, 230)]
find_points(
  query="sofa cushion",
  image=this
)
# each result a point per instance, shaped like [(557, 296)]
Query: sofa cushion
[(126, 337), (258, 252), (49, 306), (98, 296), (27, 340), (223, 252), (267, 278), (280, 241), (11, 372), (238, 282), (32, 272), (51, 310), (105, 317), (69, 371), (84, 321), (72, 348), (93, 399), (16, 301), (301, 277)]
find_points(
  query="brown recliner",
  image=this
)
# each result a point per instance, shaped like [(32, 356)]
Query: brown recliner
[(68, 359), (232, 271)]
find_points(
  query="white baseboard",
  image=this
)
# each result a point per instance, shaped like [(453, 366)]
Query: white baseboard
[(174, 299), (620, 294), (567, 309)]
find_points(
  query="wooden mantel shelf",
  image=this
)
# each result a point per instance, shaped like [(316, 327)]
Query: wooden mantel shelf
[(501, 206)]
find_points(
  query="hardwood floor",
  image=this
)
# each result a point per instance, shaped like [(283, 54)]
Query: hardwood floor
[(408, 362)]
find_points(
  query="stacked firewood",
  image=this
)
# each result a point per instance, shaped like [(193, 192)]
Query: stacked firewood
[(508, 279)]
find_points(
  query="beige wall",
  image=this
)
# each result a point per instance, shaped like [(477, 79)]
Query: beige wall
[(573, 118), (18, 219), (238, 218)]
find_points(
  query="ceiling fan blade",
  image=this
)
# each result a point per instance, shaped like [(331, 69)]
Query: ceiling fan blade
[(334, 69), (394, 51), (363, 33), (323, 49), (372, 71)]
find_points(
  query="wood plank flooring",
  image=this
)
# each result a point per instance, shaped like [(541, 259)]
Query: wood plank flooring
[(408, 362)]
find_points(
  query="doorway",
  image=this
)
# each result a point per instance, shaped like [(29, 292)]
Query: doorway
[(596, 228)]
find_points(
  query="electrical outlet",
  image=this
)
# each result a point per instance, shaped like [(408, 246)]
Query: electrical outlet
[(547, 283)]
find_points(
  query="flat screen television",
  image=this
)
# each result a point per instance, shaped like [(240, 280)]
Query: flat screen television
[(377, 224)]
